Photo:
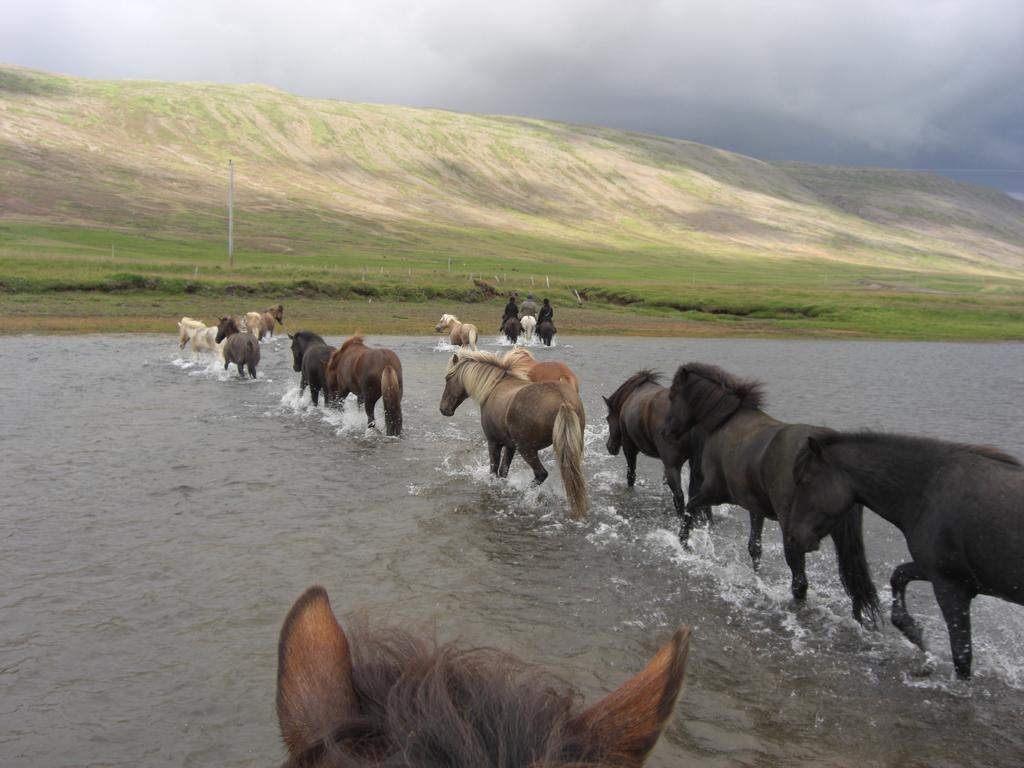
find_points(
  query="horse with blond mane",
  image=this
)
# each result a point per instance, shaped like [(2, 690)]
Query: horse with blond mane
[(370, 374), (518, 414), (202, 337), (549, 370), (461, 334), (385, 696)]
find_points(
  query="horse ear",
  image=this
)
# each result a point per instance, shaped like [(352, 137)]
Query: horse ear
[(314, 672), (628, 722), (606, 401), (815, 447), (290, 336), (455, 358)]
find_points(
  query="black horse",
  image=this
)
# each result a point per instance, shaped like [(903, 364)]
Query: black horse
[(959, 507), (546, 330), (310, 354), (747, 460), (242, 349), (637, 411), (512, 328)]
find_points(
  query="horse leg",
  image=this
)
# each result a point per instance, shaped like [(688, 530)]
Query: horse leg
[(630, 451), (302, 384), (795, 561), (754, 542), (539, 473), (241, 369), (901, 619), (506, 460), (494, 452), (368, 405), (674, 482), (314, 394), (955, 603)]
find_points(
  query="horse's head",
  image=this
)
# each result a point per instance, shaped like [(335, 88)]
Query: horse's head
[(278, 313), (822, 494), (455, 392), (444, 323), (298, 350), (614, 441), (387, 697), (183, 335), (226, 326), (680, 417)]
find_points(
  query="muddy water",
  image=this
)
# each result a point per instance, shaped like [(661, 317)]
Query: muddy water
[(159, 517)]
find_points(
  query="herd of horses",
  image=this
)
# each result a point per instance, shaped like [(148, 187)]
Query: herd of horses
[(343, 702)]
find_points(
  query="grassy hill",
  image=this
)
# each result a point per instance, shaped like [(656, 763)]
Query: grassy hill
[(121, 187)]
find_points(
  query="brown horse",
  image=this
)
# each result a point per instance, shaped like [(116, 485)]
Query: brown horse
[(549, 370), (242, 349), (370, 374), (517, 414), (463, 334), (261, 324), (385, 697)]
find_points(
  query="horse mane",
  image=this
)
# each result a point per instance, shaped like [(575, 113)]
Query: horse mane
[(447, 319), (629, 386), (926, 448), (428, 704), (519, 361), (481, 371), (714, 394), (355, 339)]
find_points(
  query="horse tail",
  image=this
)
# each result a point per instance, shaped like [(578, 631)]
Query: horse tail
[(854, 573), (391, 391), (472, 337), (567, 439)]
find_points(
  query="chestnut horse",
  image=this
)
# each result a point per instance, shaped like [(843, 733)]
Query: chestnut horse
[(242, 349), (518, 414), (261, 324), (549, 370), (386, 697), (462, 334), (370, 374)]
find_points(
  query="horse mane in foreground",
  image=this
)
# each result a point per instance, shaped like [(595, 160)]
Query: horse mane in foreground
[(715, 394), (387, 697)]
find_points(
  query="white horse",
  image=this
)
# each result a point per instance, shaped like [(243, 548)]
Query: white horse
[(185, 326), (463, 334), (528, 323), (202, 336)]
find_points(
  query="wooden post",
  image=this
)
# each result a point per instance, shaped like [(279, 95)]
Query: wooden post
[(231, 213)]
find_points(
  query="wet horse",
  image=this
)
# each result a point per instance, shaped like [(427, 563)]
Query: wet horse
[(517, 414), (387, 697), (242, 349), (528, 322), (546, 330), (461, 334), (549, 370), (371, 374), (310, 354), (203, 337), (512, 329), (261, 324), (747, 460), (960, 508), (637, 412)]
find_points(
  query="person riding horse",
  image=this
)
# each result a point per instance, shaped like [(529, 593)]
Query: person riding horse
[(546, 313), (529, 307), (511, 310)]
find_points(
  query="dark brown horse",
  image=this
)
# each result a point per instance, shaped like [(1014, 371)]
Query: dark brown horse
[(370, 374), (546, 330), (310, 354), (960, 508), (242, 349), (747, 460), (637, 412), (388, 698), (517, 414), (512, 328)]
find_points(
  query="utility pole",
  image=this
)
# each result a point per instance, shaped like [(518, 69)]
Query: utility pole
[(231, 213)]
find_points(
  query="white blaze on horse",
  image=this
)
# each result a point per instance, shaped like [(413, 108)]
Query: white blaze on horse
[(261, 324), (461, 334), (202, 337), (528, 323)]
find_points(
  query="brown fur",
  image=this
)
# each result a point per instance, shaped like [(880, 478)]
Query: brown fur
[(387, 697), (262, 323), (368, 373), (549, 370)]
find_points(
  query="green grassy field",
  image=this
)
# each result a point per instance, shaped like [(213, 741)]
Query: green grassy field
[(112, 217)]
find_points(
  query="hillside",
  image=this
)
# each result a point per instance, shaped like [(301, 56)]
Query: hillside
[(100, 178)]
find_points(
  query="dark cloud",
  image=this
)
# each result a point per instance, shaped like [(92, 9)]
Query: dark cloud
[(917, 83)]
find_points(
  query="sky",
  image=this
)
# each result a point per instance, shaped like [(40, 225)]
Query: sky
[(920, 84)]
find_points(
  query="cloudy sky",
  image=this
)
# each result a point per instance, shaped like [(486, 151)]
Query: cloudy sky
[(929, 84)]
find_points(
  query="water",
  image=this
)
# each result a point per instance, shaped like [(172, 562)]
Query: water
[(161, 515)]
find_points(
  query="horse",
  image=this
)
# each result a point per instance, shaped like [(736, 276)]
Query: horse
[(261, 324), (386, 697), (242, 349), (203, 337), (517, 414), (528, 323), (549, 370), (370, 374), (747, 460), (546, 330), (959, 508), (185, 325), (462, 334), (637, 411), (511, 328), (310, 354)]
